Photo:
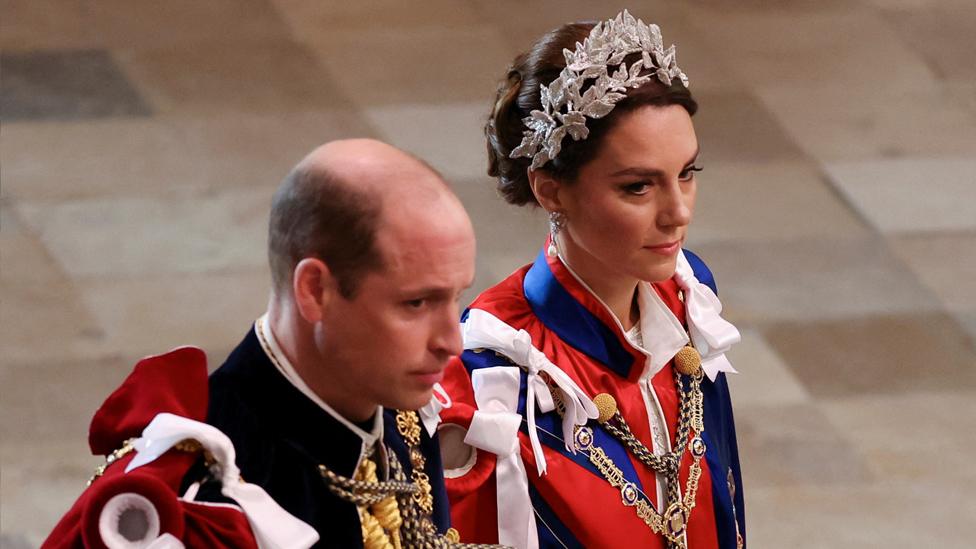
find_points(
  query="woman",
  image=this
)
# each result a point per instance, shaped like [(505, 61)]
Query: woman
[(590, 406)]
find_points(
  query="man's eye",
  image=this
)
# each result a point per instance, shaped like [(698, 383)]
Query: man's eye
[(415, 303), (689, 173)]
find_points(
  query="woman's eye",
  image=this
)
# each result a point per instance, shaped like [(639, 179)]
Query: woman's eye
[(637, 188), (689, 173)]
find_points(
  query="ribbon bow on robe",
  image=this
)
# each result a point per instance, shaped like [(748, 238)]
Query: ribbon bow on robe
[(712, 335), (430, 414), (496, 423), (484, 330), (272, 526)]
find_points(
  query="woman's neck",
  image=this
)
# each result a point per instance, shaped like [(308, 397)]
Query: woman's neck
[(617, 290)]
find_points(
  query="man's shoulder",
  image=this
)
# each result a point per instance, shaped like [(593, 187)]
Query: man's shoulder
[(235, 390)]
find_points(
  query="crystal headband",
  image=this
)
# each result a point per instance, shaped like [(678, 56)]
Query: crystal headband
[(566, 110)]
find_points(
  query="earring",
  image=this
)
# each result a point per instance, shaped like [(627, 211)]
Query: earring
[(557, 222)]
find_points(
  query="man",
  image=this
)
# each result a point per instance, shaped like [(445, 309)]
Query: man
[(369, 252)]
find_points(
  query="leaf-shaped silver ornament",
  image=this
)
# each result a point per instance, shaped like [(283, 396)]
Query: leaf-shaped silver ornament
[(635, 70), (598, 109), (566, 107), (663, 76)]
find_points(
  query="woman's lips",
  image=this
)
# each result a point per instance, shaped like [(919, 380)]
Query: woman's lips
[(668, 249)]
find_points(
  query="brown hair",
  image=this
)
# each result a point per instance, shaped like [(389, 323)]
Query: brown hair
[(314, 214), (518, 95)]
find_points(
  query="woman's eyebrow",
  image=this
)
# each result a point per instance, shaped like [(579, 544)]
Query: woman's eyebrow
[(652, 172)]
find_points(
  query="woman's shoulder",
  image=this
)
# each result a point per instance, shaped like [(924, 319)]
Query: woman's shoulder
[(701, 270), (506, 299)]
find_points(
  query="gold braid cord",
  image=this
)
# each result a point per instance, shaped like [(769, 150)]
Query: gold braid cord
[(395, 514), (673, 522)]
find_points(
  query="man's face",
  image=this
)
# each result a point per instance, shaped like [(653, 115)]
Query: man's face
[(390, 343)]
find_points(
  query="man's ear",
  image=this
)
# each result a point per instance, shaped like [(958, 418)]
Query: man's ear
[(315, 287), (546, 190)]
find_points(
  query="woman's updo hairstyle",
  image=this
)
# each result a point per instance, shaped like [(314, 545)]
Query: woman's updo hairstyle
[(519, 94)]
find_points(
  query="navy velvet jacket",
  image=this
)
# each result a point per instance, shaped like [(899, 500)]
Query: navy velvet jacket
[(281, 437)]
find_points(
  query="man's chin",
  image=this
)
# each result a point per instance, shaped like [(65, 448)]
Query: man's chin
[(412, 400)]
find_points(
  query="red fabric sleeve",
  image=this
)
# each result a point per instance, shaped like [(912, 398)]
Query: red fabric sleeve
[(474, 512)]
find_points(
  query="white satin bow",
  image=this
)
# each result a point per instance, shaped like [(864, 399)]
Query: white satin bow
[(712, 335), (430, 414), (273, 527), (484, 330)]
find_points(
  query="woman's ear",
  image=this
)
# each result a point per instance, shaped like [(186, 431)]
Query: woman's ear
[(545, 187), (314, 287)]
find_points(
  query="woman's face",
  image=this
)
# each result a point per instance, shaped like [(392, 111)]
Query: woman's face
[(629, 210)]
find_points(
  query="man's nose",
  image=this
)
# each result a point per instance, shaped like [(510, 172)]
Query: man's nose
[(446, 338)]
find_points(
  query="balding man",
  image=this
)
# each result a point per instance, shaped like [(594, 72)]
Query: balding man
[(369, 252)]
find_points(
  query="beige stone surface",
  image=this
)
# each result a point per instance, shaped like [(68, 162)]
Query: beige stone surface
[(811, 279), (877, 354), (151, 314), (249, 76), (448, 136), (911, 195), (946, 263), (833, 42), (152, 157), (383, 66), (764, 378), (46, 24), (759, 201), (850, 122), (130, 237)]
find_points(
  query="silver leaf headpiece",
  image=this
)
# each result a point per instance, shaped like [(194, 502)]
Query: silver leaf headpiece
[(565, 109)]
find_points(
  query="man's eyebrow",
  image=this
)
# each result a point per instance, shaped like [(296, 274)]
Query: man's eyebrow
[(652, 172)]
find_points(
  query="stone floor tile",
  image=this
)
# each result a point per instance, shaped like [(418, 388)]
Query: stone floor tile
[(946, 263), (185, 23), (809, 279), (962, 94), (307, 19), (941, 34), (833, 122), (746, 201), (912, 437), (44, 317), (793, 445), (15, 540), (967, 320), (249, 77), (41, 480), (150, 157), (66, 85), (448, 136), (833, 42), (82, 159), (63, 397), (895, 515), (704, 66), (912, 5), (911, 194), (46, 25), (734, 126), (154, 313), (384, 66), (529, 20), (764, 379), (10, 223), (508, 236), (879, 354), (142, 236)]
